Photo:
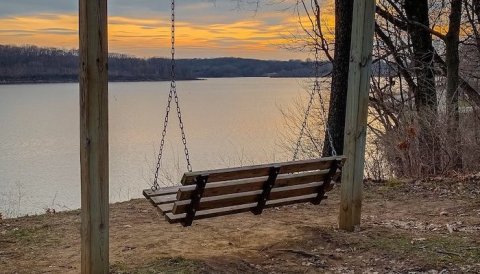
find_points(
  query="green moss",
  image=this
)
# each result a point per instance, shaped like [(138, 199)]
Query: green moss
[(394, 183), (165, 266), (454, 249), (38, 235), (435, 250), (398, 245), (24, 234)]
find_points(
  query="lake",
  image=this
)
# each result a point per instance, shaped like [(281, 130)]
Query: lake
[(229, 122)]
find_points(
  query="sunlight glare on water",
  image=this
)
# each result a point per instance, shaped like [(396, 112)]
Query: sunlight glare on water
[(228, 122)]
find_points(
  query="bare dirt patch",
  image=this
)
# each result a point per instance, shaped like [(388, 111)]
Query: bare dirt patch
[(427, 226)]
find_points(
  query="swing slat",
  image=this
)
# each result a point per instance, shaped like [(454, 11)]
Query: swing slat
[(241, 189)]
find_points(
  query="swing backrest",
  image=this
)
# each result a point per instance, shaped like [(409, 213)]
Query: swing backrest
[(218, 192)]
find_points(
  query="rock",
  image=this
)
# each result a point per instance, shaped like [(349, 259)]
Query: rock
[(128, 248), (414, 240), (449, 228)]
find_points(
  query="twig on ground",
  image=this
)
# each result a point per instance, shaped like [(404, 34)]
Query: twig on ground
[(448, 253), (300, 252)]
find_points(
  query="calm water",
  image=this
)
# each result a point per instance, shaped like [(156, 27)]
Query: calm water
[(228, 121)]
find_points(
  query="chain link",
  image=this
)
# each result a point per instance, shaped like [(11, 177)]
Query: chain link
[(174, 88), (316, 90), (162, 142), (304, 125), (322, 102), (172, 95)]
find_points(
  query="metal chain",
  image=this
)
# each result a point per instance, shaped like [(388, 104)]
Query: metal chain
[(172, 94), (162, 142), (304, 125), (173, 86), (322, 103), (316, 90), (184, 137)]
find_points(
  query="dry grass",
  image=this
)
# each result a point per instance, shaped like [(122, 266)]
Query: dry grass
[(407, 152), (404, 228)]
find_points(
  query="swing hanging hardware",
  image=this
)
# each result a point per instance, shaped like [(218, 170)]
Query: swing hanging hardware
[(172, 95)]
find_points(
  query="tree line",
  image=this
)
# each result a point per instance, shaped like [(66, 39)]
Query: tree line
[(425, 116), (32, 64)]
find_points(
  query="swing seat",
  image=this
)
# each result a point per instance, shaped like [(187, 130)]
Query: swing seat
[(211, 193)]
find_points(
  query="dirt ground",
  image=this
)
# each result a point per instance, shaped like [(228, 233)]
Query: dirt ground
[(422, 227)]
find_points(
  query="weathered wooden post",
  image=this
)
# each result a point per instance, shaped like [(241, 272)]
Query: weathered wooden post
[(94, 135), (357, 112)]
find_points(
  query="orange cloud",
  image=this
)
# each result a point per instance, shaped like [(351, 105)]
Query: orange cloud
[(45, 30), (148, 37), (327, 19)]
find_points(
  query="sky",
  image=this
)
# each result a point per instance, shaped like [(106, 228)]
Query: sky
[(205, 28)]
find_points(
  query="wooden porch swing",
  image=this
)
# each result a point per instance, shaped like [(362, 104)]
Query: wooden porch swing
[(210, 193), (202, 186)]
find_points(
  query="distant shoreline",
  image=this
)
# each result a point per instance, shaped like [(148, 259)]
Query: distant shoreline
[(26, 82), (35, 65)]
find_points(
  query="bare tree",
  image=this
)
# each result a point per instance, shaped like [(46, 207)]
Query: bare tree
[(452, 40), (339, 87), (315, 38)]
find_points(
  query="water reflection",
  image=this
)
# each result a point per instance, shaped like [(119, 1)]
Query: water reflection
[(228, 122)]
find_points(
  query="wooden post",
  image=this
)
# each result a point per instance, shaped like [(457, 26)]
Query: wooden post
[(357, 112), (94, 135)]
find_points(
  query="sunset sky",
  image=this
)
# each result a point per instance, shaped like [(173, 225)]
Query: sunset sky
[(205, 28)]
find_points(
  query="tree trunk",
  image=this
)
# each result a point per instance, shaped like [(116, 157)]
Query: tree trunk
[(339, 86), (425, 93), (453, 62), (476, 10), (423, 52)]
